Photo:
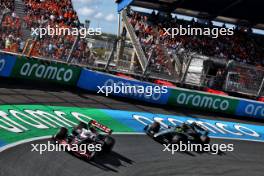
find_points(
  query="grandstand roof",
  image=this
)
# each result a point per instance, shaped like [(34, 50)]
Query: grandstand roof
[(249, 12)]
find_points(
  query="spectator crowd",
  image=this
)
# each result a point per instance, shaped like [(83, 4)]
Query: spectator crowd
[(10, 33), (40, 14), (6, 4), (243, 46)]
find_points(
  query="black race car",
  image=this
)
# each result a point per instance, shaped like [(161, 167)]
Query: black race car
[(86, 134), (193, 133)]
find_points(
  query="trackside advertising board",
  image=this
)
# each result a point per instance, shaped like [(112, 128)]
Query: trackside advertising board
[(7, 63), (90, 80), (202, 101), (93, 81), (250, 108), (21, 122), (34, 69)]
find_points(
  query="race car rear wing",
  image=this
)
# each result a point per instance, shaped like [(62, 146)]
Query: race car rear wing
[(101, 127)]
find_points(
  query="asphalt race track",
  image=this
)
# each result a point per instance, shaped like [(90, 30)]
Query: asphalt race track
[(132, 155)]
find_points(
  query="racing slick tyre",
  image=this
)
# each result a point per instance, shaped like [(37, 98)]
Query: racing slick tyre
[(109, 143), (82, 125), (62, 134), (205, 139), (155, 127)]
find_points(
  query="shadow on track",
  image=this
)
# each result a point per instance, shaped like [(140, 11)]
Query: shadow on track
[(108, 161)]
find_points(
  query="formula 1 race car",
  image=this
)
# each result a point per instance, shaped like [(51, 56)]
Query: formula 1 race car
[(85, 141), (193, 133)]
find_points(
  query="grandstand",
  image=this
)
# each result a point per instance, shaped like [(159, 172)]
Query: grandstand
[(26, 14), (196, 61), (184, 59)]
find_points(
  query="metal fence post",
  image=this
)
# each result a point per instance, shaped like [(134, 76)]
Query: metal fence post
[(148, 63), (73, 48), (261, 88), (186, 70), (109, 59)]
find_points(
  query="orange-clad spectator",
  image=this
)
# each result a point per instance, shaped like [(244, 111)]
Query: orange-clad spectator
[(14, 47), (35, 50), (42, 13), (242, 46)]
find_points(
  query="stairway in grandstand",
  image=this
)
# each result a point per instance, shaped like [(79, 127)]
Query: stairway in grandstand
[(135, 42), (20, 12)]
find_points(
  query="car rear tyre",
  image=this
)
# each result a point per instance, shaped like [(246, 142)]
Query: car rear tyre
[(205, 139), (155, 127), (82, 125), (109, 143), (62, 134)]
